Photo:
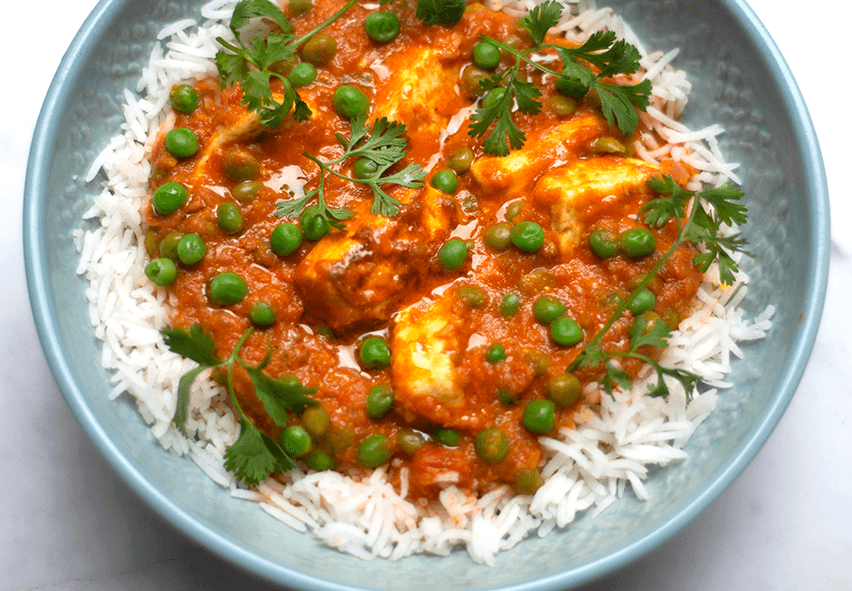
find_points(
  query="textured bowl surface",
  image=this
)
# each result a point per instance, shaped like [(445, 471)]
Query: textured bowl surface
[(740, 81)]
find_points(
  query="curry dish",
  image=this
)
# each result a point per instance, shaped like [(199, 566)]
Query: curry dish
[(470, 341)]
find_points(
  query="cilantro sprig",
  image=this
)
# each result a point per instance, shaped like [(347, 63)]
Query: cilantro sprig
[(610, 56), (249, 63), (385, 146), (255, 455), (697, 226)]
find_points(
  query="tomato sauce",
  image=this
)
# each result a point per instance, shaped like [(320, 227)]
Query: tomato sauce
[(316, 338)]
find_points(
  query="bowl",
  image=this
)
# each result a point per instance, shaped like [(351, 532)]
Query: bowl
[(740, 80)]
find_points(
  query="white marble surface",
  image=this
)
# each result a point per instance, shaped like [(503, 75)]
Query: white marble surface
[(68, 524)]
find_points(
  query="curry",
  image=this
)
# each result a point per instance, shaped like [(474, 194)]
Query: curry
[(430, 334)]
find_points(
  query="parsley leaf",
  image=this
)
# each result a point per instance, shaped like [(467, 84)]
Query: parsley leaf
[(440, 12), (385, 146), (254, 455)]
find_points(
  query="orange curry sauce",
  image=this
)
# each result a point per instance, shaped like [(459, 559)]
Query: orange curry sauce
[(330, 294)]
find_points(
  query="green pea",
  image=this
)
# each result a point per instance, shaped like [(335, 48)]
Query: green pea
[(445, 181), (191, 249), (364, 168), (184, 98), (169, 245), (246, 191), (648, 320), (382, 26), (262, 314), (672, 319), (538, 416), (565, 331), (319, 49), (448, 437), (470, 79), (604, 243), (302, 75), (350, 101), (510, 304), (340, 439), (316, 420), (564, 389), (300, 7), (169, 197), (229, 217), (379, 401), (571, 87), (319, 461), (453, 254), (547, 309), (538, 360), (499, 236), (284, 67), (286, 239), (514, 209), (562, 106), (181, 142), (496, 352), (375, 353), (152, 245), (315, 225), (471, 295), (228, 288), (609, 145), (527, 481), (296, 441), (409, 441), (161, 271), (460, 160), (506, 397), (528, 236), (493, 97), (240, 166), (637, 242), (642, 302), (374, 451), (486, 55), (492, 445)]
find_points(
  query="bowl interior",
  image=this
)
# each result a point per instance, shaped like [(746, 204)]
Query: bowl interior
[(739, 81)]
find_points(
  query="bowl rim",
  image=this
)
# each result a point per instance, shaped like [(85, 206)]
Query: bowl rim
[(46, 321)]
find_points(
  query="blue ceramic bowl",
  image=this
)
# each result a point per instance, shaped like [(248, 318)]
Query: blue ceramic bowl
[(740, 80)]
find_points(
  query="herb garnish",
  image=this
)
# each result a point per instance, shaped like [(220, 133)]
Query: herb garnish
[(384, 146), (699, 228), (602, 50), (249, 64), (440, 12), (254, 455)]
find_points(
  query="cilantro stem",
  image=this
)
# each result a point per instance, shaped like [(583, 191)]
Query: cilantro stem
[(325, 23), (521, 55), (230, 361), (595, 341)]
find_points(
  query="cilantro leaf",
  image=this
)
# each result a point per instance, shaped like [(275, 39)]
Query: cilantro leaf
[(649, 334), (384, 145), (279, 396), (182, 408), (660, 210), (541, 19), (249, 9), (249, 458), (505, 135), (440, 12), (619, 103), (193, 344)]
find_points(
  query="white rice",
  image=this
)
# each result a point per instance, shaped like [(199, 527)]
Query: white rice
[(590, 467)]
